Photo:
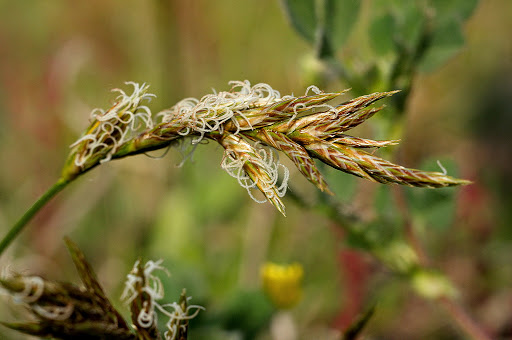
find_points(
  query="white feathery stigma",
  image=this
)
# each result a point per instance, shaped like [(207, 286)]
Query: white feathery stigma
[(213, 110), (33, 289), (109, 129), (265, 159), (145, 281), (57, 313), (177, 315), (152, 284), (443, 169)]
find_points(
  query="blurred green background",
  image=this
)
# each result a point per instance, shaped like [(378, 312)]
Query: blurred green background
[(58, 61)]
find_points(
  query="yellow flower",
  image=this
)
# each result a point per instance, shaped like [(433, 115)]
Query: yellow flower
[(282, 283)]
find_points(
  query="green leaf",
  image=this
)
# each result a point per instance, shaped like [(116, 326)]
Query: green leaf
[(247, 312), (411, 21), (397, 255), (343, 186), (327, 26), (447, 38), (407, 19), (404, 22), (384, 204), (381, 33), (453, 10), (302, 15), (340, 17)]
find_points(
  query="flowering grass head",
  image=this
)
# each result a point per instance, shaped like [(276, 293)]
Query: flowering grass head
[(111, 128), (68, 311), (249, 121), (143, 290), (63, 310)]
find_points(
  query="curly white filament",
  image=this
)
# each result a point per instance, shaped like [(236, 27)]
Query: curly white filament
[(33, 290), (57, 313), (115, 126), (145, 281), (177, 315), (213, 110), (268, 162)]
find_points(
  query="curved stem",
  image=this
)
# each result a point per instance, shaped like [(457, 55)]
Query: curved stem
[(22, 222), (455, 311), (463, 320)]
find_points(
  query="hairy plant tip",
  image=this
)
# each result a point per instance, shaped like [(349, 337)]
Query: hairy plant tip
[(212, 111), (67, 311), (62, 310), (254, 167), (142, 291), (244, 119), (110, 129), (38, 295)]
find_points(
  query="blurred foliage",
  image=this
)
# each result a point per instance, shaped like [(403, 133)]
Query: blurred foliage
[(451, 59), (324, 24)]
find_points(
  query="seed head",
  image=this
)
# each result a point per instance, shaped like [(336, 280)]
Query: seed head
[(110, 129), (248, 121), (143, 290)]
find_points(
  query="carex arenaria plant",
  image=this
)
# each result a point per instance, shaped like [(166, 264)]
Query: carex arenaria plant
[(63, 310), (252, 124)]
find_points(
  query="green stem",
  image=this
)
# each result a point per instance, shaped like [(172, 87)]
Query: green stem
[(22, 222)]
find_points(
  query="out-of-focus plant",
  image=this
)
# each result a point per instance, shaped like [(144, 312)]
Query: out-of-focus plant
[(404, 38), (282, 283), (68, 311), (400, 40)]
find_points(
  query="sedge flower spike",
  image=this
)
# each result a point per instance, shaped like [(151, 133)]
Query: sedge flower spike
[(111, 128), (251, 123), (64, 310), (143, 290)]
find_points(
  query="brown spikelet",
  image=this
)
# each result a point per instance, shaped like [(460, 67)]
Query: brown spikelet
[(330, 155), (240, 155), (333, 120), (366, 165), (64, 310), (278, 112), (296, 153), (357, 142), (303, 128)]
